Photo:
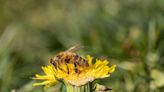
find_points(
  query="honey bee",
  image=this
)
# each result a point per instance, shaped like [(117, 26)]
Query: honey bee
[(69, 56)]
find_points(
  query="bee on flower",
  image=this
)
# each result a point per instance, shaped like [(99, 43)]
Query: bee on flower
[(69, 57), (73, 69)]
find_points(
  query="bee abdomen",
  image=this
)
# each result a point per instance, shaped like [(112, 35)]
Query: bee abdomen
[(80, 61)]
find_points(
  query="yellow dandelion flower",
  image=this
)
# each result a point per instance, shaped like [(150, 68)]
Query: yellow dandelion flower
[(66, 73), (94, 71)]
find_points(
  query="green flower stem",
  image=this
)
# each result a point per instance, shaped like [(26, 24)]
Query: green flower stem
[(84, 88)]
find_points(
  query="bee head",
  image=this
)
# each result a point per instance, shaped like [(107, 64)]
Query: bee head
[(53, 62)]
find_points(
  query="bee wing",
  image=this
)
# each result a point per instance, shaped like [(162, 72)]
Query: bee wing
[(75, 48)]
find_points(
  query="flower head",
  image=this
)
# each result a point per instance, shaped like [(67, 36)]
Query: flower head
[(68, 74)]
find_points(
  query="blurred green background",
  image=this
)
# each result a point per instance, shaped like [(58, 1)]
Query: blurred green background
[(129, 33)]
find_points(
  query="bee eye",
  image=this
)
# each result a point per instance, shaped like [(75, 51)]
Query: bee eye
[(53, 62)]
